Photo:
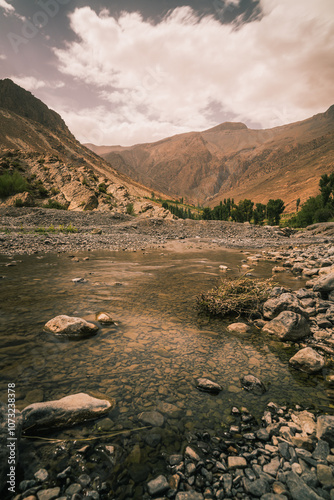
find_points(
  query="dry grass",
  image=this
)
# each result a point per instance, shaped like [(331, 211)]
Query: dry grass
[(241, 296)]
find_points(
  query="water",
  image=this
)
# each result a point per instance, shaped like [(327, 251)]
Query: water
[(153, 356)]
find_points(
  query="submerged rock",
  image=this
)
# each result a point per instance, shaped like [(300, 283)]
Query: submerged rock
[(238, 328), (70, 326), (307, 360), (288, 325), (285, 302), (104, 318), (251, 383), (64, 412)]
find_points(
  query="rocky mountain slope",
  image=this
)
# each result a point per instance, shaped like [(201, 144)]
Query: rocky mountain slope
[(36, 142), (231, 160)]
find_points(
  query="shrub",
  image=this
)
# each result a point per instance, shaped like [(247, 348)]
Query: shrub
[(240, 296), (55, 204), (130, 209), (102, 188), (12, 184), (18, 202), (54, 191)]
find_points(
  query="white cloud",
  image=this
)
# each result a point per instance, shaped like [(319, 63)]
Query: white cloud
[(176, 75), (6, 6), (32, 83), (3, 57)]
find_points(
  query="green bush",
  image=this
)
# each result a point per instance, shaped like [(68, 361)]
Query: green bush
[(55, 204), (102, 188), (130, 209), (12, 184)]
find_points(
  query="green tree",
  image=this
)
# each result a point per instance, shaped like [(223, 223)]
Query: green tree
[(259, 213), (207, 213), (243, 212), (326, 185), (274, 210)]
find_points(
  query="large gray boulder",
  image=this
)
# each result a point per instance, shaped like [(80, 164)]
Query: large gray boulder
[(63, 412), (285, 302), (325, 428), (9, 448), (71, 327), (288, 325), (324, 284), (307, 360)]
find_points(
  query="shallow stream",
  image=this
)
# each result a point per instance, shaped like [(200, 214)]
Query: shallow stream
[(152, 357)]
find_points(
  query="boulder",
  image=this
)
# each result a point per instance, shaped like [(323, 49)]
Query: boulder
[(324, 284), (9, 448), (251, 383), (79, 196), (325, 429), (63, 412), (204, 384), (298, 489), (153, 418), (71, 327), (330, 314), (238, 328), (288, 325), (285, 302), (307, 360), (104, 318)]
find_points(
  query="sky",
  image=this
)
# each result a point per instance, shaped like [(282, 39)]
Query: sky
[(134, 71)]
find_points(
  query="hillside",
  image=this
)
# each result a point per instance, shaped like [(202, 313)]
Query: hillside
[(231, 160), (36, 142)]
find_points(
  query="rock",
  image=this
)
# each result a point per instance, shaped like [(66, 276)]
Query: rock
[(104, 318), (251, 383), (298, 489), (79, 280), (189, 495), (153, 418), (139, 472), (236, 462), (325, 429), (288, 326), (256, 488), (330, 314), (238, 328), (284, 302), (63, 412), (324, 283), (73, 489), (272, 467), (157, 485), (190, 453), (9, 449), (49, 494), (41, 475), (325, 475), (307, 360), (204, 384), (71, 327)]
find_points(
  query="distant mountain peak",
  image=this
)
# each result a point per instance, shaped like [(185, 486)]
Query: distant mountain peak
[(22, 102), (228, 126)]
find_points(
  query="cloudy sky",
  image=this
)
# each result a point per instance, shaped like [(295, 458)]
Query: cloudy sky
[(124, 72)]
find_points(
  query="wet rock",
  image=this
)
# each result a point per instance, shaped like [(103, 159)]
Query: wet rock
[(153, 418), (190, 453), (238, 328), (256, 488), (189, 495), (73, 489), (104, 318), (325, 475), (236, 462), (288, 326), (49, 494), (158, 485), (324, 283), (307, 360), (41, 475), (253, 384), (71, 327), (298, 489), (204, 384), (63, 412)]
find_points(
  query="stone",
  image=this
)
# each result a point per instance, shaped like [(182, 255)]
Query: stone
[(41, 475), (139, 472), (5, 451), (321, 451), (325, 475), (324, 283), (204, 384), (153, 418), (65, 411), (104, 318), (49, 494), (305, 420), (330, 314), (325, 429), (236, 462), (307, 360), (190, 453), (189, 495), (238, 328), (284, 302), (288, 326), (157, 485), (256, 488), (272, 467), (253, 384), (71, 327), (73, 489), (298, 489)]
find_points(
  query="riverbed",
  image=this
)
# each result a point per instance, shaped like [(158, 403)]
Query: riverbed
[(148, 360)]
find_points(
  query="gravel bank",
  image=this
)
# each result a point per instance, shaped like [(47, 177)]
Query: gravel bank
[(31, 230)]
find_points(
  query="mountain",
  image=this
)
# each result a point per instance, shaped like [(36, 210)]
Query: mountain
[(36, 142), (231, 160)]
